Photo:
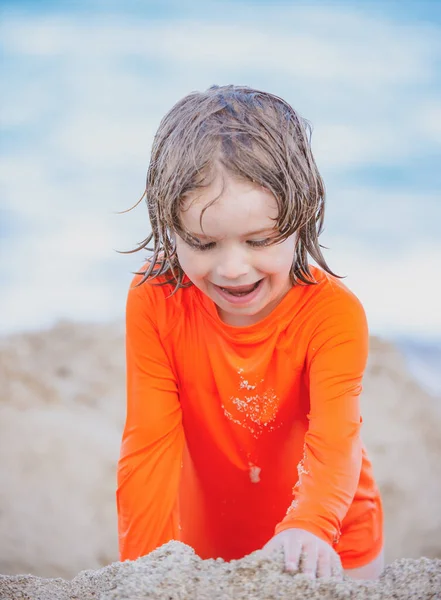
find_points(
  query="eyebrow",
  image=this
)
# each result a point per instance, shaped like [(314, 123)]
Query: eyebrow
[(250, 233)]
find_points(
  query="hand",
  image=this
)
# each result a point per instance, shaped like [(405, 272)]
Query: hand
[(307, 553)]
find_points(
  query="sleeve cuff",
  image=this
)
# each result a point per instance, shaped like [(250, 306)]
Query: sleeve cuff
[(330, 536)]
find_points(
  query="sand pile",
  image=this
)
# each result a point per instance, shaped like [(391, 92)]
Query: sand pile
[(402, 426), (174, 572), (61, 415)]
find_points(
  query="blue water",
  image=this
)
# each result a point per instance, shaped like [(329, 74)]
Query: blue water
[(423, 359)]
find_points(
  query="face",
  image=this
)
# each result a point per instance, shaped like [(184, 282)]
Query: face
[(232, 259)]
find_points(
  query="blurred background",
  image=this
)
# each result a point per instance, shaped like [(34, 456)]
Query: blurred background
[(84, 86)]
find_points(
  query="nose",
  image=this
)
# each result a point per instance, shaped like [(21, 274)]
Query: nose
[(233, 264)]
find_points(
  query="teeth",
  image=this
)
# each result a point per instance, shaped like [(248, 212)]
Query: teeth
[(236, 293), (241, 292)]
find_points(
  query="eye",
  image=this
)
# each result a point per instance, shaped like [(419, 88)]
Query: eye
[(259, 243), (202, 247)]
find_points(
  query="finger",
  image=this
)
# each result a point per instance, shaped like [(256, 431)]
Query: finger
[(336, 567), (292, 555), (309, 561), (324, 565)]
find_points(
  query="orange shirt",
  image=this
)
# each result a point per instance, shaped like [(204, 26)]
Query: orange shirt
[(234, 434)]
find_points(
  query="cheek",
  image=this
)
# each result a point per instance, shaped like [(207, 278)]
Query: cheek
[(279, 258), (194, 266)]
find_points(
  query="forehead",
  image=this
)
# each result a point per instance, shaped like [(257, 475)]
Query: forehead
[(231, 206)]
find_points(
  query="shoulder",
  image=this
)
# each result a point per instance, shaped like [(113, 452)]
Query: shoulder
[(331, 301), (337, 330), (156, 300), (330, 289)]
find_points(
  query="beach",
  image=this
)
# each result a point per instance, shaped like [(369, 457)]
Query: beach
[(62, 407), (174, 572)]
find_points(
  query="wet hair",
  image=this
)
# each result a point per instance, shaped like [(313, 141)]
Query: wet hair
[(249, 135)]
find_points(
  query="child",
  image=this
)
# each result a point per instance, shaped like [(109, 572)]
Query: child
[(244, 362)]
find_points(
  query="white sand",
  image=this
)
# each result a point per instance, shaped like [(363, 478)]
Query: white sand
[(61, 416), (174, 572)]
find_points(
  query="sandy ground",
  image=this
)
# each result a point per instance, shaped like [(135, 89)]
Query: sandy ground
[(174, 572), (61, 416)]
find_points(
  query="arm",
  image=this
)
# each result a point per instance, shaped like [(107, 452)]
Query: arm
[(330, 470), (152, 443)]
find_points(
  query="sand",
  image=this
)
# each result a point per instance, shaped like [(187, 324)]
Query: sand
[(61, 417), (174, 572)]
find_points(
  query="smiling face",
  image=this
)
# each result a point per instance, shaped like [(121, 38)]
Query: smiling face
[(232, 260)]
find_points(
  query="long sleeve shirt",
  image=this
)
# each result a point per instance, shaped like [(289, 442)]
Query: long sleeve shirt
[(234, 433)]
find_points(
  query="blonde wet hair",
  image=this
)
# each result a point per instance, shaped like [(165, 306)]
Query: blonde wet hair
[(247, 134)]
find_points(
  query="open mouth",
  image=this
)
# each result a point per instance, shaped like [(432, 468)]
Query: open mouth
[(242, 290)]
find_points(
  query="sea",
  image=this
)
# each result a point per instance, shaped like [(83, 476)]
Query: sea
[(423, 359)]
